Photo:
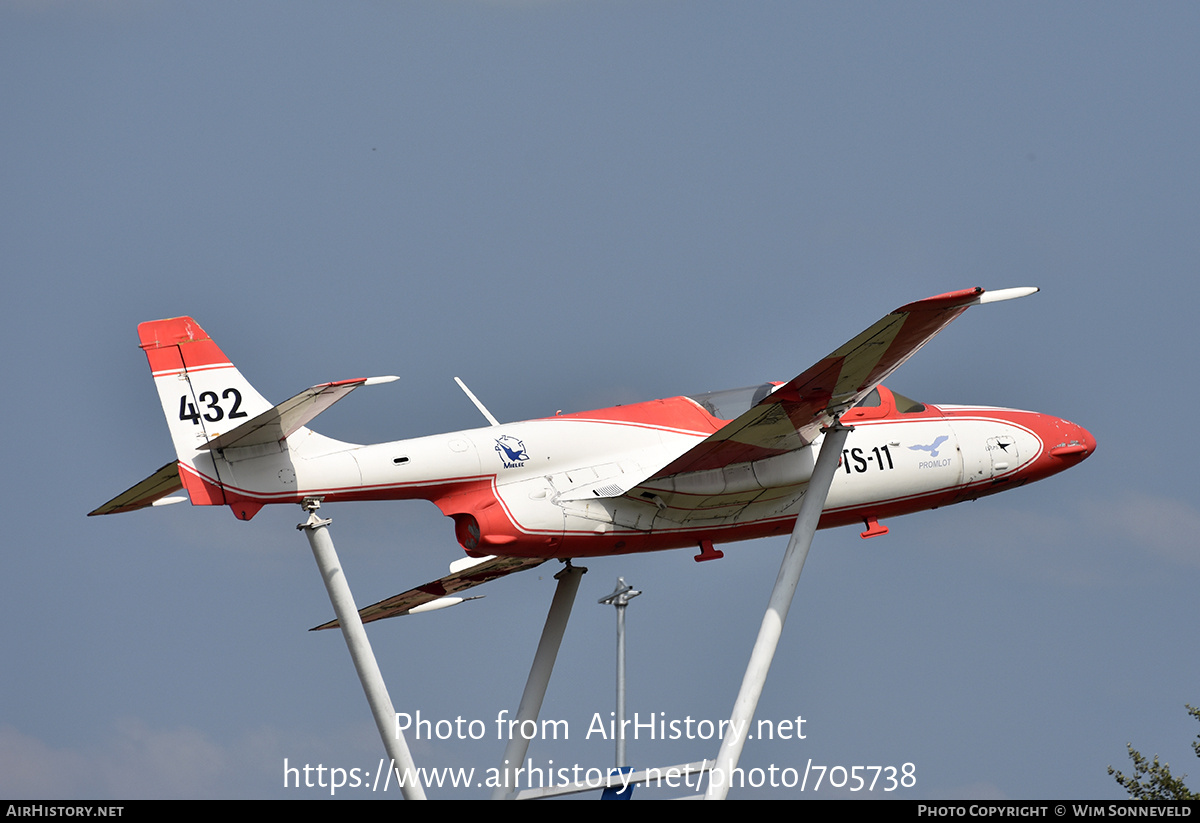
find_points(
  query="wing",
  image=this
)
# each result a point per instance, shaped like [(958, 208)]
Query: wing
[(151, 490), (466, 573), (756, 466), (791, 417), (762, 447)]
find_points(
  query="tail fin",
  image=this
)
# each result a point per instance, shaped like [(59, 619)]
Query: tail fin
[(203, 395), (217, 419)]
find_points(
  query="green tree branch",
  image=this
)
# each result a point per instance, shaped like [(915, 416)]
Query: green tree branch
[(1153, 780)]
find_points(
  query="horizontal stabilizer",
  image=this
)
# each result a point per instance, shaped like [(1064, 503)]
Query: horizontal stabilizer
[(151, 490), (276, 424), (465, 573)]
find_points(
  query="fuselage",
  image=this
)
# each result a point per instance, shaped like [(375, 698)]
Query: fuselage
[(582, 484)]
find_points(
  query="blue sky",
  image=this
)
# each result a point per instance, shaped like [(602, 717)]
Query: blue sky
[(573, 205)]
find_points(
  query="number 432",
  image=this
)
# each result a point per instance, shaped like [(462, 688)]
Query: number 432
[(211, 409)]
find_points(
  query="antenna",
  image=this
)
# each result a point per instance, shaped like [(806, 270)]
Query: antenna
[(478, 405)]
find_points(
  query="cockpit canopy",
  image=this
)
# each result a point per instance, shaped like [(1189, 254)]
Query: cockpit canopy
[(729, 404)]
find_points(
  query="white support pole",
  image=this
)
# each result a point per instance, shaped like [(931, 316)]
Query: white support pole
[(777, 609), (539, 676), (620, 598), (316, 529), (621, 747)]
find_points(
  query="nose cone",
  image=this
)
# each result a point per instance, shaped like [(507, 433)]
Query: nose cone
[(1064, 444), (1067, 441), (1008, 447)]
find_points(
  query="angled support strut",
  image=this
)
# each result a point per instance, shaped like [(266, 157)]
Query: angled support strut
[(317, 531), (777, 609), (539, 677)]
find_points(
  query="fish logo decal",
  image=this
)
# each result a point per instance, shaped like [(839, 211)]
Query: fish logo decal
[(512, 451), (932, 448)]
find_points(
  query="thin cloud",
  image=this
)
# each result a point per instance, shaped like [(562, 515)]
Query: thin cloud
[(137, 761), (1164, 526)]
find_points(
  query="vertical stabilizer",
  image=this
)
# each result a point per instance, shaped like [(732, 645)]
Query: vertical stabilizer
[(203, 395)]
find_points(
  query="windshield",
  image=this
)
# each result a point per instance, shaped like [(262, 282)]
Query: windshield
[(906, 405)]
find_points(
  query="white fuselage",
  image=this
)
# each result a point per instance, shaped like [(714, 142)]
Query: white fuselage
[(564, 486)]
